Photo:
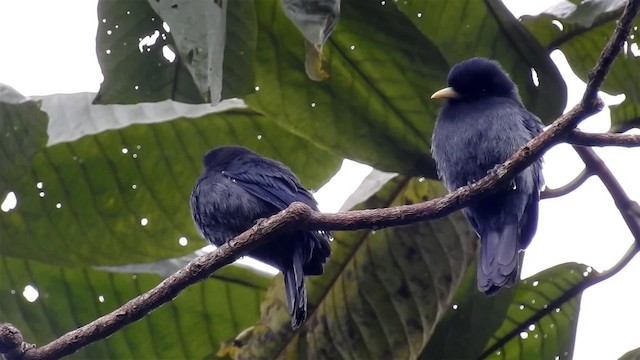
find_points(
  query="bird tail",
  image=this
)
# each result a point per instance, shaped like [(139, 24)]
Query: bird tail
[(295, 290), (499, 262)]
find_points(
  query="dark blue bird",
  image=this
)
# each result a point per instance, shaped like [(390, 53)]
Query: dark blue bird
[(481, 124), (238, 188)]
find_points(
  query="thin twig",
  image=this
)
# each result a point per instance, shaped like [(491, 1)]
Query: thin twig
[(611, 50), (301, 216), (577, 137), (627, 207), (569, 187), (628, 210)]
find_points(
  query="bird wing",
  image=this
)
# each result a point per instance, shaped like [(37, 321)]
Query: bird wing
[(535, 127), (533, 124), (275, 184), (269, 181), (529, 220)]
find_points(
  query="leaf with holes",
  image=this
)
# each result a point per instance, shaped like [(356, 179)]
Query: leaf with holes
[(200, 47), (137, 53), (114, 182), (382, 293), (384, 61), (68, 297)]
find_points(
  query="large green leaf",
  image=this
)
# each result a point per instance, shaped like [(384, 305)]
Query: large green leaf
[(382, 293), (373, 108), (551, 336), (478, 326), (135, 73), (190, 327), (384, 61), (581, 31), (94, 193), (625, 115), (468, 28), (469, 323), (23, 130)]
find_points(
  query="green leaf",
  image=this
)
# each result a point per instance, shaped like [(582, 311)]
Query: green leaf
[(23, 130), (134, 73), (98, 189), (631, 355), (382, 293), (586, 28), (587, 13), (465, 29), (201, 47), (625, 116), (552, 335), (374, 107), (189, 327), (500, 326), (573, 18), (470, 321)]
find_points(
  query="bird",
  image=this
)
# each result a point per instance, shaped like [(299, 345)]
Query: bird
[(239, 188), (316, 20), (481, 123)]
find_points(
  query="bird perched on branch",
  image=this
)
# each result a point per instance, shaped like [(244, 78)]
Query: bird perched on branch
[(238, 188), (315, 19), (481, 124)]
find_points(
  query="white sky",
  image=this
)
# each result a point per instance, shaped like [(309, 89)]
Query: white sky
[(49, 47)]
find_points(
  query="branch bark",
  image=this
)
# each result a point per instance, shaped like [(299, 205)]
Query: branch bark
[(301, 216), (577, 137)]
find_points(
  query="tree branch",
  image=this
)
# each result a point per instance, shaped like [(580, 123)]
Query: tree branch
[(301, 216), (611, 50), (628, 208), (630, 212), (197, 270), (577, 137), (569, 187)]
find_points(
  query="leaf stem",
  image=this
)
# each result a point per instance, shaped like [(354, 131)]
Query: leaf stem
[(569, 187)]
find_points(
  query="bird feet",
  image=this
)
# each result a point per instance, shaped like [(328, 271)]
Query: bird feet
[(259, 222), (494, 170)]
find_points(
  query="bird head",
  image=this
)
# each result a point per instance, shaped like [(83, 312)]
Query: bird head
[(221, 156), (475, 79)]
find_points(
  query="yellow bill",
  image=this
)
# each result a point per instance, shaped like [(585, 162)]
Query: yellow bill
[(446, 93)]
